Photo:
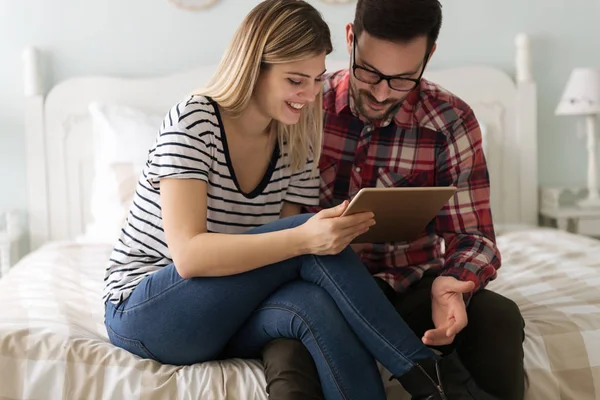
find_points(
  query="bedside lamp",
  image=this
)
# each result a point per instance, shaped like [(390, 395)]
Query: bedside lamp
[(582, 97)]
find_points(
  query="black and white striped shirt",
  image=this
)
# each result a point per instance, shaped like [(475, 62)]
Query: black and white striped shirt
[(192, 144)]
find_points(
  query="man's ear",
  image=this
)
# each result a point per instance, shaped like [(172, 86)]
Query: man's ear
[(349, 37), (433, 49)]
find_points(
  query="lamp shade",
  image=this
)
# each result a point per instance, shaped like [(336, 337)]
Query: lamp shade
[(582, 93)]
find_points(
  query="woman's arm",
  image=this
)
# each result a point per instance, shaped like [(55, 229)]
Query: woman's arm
[(198, 253)]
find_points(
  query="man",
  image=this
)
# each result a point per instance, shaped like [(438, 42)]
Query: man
[(386, 126)]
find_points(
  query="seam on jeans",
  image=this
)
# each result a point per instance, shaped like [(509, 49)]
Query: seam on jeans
[(150, 299), (133, 342), (382, 338), (334, 373)]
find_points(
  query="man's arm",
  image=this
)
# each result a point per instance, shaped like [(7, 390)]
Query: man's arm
[(465, 222)]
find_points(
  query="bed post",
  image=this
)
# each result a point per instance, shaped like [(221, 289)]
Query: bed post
[(526, 132), (35, 146)]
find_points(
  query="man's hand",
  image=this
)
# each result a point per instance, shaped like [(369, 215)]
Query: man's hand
[(448, 310)]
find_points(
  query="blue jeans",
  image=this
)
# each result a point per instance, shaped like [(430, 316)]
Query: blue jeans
[(331, 303)]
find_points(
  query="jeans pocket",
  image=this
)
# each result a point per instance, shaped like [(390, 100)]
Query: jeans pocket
[(131, 345)]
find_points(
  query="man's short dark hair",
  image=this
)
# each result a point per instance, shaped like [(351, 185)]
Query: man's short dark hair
[(399, 20)]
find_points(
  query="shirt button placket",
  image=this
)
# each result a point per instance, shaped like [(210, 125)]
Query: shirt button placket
[(361, 151)]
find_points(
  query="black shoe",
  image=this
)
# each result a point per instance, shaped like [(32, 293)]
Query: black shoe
[(458, 382), (443, 379), (423, 382)]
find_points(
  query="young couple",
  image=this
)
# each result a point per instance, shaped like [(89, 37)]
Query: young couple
[(235, 245)]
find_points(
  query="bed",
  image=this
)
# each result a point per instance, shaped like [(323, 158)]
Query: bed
[(53, 344)]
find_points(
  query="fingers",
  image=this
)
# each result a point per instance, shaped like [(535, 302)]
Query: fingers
[(355, 220), (445, 334), (463, 286), (349, 236), (346, 229), (336, 211), (453, 330), (359, 228), (349, 233), (437, 337), (459, 322), (468, 286)]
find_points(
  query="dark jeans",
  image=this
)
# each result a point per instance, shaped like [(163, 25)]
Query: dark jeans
[(330, 303), (491, 346)]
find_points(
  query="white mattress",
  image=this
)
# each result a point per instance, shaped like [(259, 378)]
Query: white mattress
[(53, 344)]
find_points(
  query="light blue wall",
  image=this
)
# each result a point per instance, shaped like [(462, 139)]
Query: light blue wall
[(143, 38)]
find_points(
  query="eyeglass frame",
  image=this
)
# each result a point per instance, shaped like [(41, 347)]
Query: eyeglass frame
[(383, 77)]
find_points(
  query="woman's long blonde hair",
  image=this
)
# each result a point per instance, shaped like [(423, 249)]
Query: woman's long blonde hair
[(275, 31)]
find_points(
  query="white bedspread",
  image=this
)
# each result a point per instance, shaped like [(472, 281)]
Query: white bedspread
[(53, 343), (554, 277)]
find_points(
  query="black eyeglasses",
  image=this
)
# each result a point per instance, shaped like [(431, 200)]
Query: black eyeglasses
[(373, 78)]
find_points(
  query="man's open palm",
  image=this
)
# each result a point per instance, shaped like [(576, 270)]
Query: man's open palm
[(448, 309)]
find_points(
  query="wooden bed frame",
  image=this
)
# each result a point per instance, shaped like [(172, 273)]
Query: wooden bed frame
[(60, 154)]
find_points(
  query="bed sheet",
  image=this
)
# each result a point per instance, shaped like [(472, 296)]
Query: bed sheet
[(53, 344), (554, 277)]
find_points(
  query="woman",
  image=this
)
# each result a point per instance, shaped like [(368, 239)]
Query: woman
[(214, 261)]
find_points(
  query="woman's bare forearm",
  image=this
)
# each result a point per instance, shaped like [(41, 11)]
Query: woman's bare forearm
[(215, 254)]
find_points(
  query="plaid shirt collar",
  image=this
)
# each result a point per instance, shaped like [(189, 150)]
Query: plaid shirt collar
[(402, 117)]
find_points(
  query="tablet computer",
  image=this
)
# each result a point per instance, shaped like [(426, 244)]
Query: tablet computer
[(401, 213)]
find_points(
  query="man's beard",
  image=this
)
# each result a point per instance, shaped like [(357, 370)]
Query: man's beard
[(361, 97)]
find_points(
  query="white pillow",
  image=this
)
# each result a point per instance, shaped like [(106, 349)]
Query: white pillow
[(122, 134), (122, 137)]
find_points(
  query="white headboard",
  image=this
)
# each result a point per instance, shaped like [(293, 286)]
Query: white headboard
[(59, 151)]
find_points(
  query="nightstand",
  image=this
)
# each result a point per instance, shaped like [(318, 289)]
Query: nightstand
[(11, 233), (558, 207)]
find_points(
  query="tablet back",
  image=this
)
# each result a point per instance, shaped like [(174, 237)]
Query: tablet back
[(401, 213)]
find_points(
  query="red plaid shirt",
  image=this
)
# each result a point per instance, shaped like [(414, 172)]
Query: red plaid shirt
[(433, 140)]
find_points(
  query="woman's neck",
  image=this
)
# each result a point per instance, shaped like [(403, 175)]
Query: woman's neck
[(252, 122)]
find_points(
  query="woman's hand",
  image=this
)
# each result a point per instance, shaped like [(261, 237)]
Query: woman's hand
[(327, 232)]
